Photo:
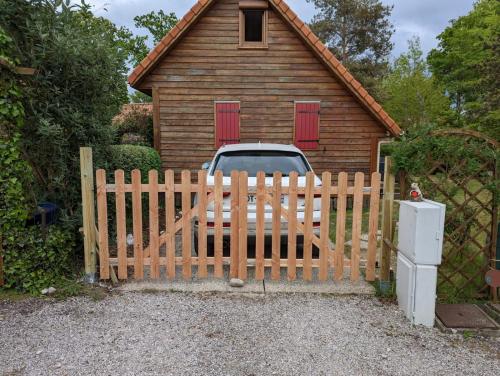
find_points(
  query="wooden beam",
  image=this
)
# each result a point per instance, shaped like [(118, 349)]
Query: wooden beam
[(373, 154), (88, 211), (253, 4), (387, 209), (156, 119)]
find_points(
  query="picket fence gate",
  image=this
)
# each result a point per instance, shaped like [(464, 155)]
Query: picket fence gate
[(158, 254)]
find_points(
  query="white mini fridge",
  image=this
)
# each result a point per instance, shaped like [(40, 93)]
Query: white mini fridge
[(416, 290)]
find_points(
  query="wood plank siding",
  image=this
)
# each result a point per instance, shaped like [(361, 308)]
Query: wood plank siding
[(206, 66)]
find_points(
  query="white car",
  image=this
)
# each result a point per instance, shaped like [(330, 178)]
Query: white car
[(254, 157)]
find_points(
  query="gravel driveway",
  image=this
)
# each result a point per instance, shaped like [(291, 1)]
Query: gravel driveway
[(164, 333)]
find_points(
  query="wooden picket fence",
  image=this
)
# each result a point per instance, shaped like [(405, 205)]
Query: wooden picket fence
[(146, 260)]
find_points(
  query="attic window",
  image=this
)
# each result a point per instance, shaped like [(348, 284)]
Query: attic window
[(253, 24)]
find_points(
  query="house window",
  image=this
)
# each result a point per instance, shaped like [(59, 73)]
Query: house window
[(306, 135), (227, 123), (253, 24)]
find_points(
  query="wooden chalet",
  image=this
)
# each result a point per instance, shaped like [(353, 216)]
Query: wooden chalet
[(248, 71)]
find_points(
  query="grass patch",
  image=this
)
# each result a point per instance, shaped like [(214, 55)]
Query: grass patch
[(71, 288), (385, 291), (13, 295), (65, 289), (348, 223)]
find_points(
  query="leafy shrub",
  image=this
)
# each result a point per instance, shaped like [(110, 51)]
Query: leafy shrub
[(78, 87), (34, 259), (135, 123), (15, 173), (129, 157)]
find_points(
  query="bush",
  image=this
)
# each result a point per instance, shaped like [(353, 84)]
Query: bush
[(129, 157), (78, 87), (36, 258), (134, 124)]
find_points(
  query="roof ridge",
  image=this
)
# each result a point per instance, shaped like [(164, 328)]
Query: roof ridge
[(300, 27)]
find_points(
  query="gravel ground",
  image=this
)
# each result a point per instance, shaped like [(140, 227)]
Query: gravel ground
[(229, 334)]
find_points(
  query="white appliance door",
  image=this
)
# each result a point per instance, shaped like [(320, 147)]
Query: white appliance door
[(425, 295), (405, 285)]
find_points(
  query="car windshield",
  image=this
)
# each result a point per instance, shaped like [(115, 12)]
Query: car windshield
[(268, 161)]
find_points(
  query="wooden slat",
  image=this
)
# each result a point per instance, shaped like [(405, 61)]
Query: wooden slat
[(156, 118), (137, 224), (373, 227), (111, 188), (387, 211), (242, 224), (186, 224), (357, 212), (234, 266), (225, 261), (202, 224), (153, 224), (170, 222), (325, 226), (218, 230), (259, 227), (340, 226), (308, 226), (292, 226), (102, 221), (121, 230), (276, 226), (88, 210)]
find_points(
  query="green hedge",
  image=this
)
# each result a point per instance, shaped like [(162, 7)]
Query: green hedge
[(130, 157), (35, 259)]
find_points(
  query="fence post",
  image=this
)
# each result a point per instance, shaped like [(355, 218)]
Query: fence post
[(88, 213), (387, 212)]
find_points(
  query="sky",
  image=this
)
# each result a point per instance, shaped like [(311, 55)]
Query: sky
[(422, 18)]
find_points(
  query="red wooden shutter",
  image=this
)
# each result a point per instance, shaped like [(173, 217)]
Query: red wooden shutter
[(227, 123), (307, 125)]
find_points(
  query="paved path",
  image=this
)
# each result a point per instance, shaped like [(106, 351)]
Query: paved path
[(178, 333)]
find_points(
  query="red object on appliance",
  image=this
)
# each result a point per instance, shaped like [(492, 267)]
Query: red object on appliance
[(227, 123), (307, 125)]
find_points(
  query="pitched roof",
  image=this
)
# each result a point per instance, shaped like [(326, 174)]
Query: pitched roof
[(303, 31)]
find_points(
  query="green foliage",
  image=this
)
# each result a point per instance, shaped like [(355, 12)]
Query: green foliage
[(134, 125), (14, 178), (130, 157), (410, 93), (34, 260), (139, 97), (15, 174), (157, 23), (358, 32), (419, 149), (79, 86), (467, 62)]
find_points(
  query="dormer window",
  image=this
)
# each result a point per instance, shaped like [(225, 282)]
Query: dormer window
[(253, 24)]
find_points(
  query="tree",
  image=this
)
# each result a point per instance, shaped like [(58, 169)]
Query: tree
[(358, 32), (467, 61), (157, 23), (410, 93)]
